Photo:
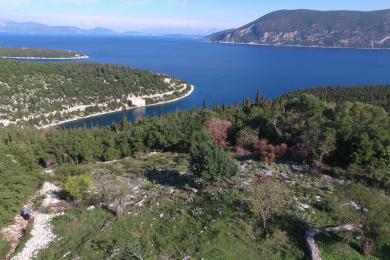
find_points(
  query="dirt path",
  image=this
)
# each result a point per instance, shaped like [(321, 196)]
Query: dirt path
[(41, 233), (14, 233), (41, 236)]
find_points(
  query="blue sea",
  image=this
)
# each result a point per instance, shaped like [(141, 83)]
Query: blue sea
[(221, 73)]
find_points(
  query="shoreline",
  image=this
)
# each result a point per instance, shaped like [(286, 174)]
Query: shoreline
[(298, 46), (43, 58), (117, 110)]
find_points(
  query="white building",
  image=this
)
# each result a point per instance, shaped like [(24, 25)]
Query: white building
[(136, 101)]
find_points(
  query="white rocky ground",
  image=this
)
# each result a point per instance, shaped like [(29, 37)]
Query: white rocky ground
[(50, 191), (41, 233), (41, 236), (14, 233)]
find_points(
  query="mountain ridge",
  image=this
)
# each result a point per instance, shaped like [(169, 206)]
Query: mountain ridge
[(40, 28), (8, 26), (303, 27)]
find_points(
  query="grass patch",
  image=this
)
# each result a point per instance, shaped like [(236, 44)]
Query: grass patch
[(75, 232), (174, 222), (334, 248), (4, 247), (172, 230)]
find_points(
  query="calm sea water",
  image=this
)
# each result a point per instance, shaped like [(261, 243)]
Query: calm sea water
[(221, 73)]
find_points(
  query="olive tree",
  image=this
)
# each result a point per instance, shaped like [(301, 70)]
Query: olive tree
[(112, 190), (268, 198)]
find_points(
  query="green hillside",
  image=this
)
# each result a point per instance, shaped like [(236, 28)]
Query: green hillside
[(240, 182), (376, 95), (45, 93)]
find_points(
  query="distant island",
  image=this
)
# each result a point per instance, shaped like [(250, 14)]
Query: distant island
[(308, 28), (31, 27), (39, 28), (48, 94)]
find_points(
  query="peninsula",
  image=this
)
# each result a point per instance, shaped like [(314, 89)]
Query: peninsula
[(39, 54), (48, 94)]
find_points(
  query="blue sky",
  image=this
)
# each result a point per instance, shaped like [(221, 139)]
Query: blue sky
[(170, 15)]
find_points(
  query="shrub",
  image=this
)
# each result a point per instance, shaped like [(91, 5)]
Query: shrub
[(112, 190), (219, 131), (363, 137), (265, 151), (76, 186), (246, 138), (371, 212), (300, 152), (281, 150), (268, 152), (210, 163), (241, 151), (268, 198)]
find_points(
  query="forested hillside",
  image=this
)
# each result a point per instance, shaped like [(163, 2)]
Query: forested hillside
[(242, 182), (375, 95), (45, 93), (348, 29)]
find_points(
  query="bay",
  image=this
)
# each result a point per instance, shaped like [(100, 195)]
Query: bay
[(221, 73)]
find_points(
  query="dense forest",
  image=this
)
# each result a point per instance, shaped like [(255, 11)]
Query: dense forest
[(45, 93), (37, 53), (236, 182), (375, 95)]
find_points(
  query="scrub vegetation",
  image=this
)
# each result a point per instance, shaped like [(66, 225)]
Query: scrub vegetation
[(41, 94), (235, 182)]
